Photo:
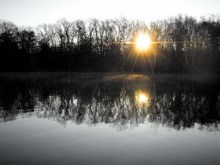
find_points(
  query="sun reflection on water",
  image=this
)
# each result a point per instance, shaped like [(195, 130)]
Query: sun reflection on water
[(142, 98)]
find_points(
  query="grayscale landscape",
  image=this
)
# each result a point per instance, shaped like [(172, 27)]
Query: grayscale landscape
[(109, 82)]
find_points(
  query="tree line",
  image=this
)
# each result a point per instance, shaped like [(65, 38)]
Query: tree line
[(180, 44)]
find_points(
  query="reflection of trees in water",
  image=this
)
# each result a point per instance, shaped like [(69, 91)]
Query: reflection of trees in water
[(173, 110), (7, 116), (178, 110), (117, 104), (119, 111)]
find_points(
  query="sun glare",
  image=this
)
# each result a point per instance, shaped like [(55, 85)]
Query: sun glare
[(143, 41)]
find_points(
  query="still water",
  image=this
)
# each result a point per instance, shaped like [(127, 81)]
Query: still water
[(110, 119)]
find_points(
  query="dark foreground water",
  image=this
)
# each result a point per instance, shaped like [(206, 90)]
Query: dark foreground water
[(110, 119)]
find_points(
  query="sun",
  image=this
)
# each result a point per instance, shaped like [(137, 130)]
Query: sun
[(143, 41)]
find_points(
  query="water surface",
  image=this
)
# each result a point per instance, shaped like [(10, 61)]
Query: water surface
[(92, 118)]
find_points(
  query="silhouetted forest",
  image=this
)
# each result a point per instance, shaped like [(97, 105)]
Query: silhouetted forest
[(181, 44)]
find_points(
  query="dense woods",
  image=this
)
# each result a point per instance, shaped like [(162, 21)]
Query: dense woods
[(181, 44)]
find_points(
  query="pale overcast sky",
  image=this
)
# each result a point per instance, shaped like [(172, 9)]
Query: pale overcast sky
[(34, 12)]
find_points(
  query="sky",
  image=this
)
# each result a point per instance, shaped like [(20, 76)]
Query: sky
[(35, 12)]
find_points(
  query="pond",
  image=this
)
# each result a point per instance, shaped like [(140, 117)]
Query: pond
[(106, 118)]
